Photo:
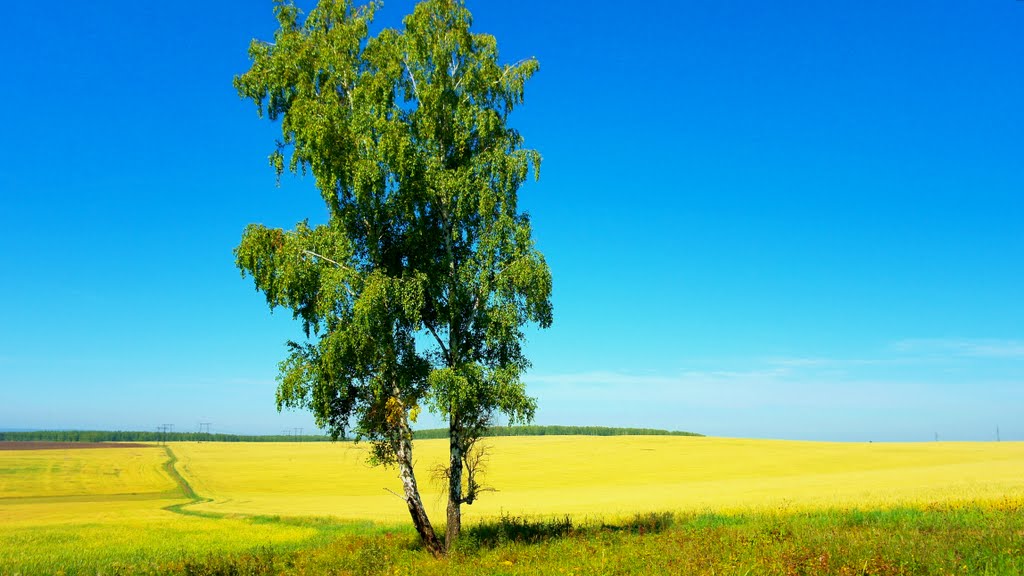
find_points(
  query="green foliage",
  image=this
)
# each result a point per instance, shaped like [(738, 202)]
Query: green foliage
[(415, 292)]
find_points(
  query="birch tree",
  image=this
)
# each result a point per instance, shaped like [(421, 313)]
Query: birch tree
[(415, 291)]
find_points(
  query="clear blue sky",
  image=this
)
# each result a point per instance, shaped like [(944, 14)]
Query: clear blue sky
[(768, 219)]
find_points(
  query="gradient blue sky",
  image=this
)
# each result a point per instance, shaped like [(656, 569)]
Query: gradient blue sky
[(782, 219)]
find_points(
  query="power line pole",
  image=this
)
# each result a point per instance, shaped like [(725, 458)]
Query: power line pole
[(997, 434), (164, 431), (298, 433)]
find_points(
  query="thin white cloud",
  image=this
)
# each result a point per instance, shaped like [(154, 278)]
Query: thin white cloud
[(237, 382), (251, 381), (600, 378), (801, 362), (961, 347), (764, 386), (823, 362), (909, 390)]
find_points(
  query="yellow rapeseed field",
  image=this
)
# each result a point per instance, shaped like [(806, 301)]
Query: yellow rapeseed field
[(77, 509), (589, 476), (106, 507), (75, 472)]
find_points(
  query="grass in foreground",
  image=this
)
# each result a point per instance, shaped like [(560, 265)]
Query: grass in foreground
[(975, 540), (112, 547)]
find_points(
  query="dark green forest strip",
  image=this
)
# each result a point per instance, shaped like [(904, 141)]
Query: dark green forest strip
[(138, 436), (558, 431)]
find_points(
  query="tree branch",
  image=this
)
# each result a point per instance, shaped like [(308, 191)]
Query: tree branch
[(397, 495), (326, 259), (452, 71), (474, 459), (511, 68), (438, 338), (336, 263), (415, 90)]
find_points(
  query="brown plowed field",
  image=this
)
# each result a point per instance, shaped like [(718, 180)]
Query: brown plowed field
[(39, 445)]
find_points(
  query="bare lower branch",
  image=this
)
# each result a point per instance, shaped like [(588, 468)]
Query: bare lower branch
[(397, 495), (475, 459)]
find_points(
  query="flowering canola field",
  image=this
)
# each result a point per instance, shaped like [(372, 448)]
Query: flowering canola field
[(589, 476), (76, 509), (120, 509), (93, 472)]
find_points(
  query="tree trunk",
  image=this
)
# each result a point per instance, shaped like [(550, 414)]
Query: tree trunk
[(412, 497), (454, 526)]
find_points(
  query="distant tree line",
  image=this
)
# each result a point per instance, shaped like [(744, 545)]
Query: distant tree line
[(136, 436), (558, 431)]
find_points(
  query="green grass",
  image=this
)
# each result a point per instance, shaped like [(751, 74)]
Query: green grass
[(167, 548), (971, 540)]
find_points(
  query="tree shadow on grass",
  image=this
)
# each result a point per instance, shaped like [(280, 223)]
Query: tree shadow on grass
[(647, 523), (505, 529), (517, 529)]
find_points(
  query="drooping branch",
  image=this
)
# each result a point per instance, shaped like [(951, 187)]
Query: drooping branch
[(511, 68), (326, 259), (437, 337), (336, 263)]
